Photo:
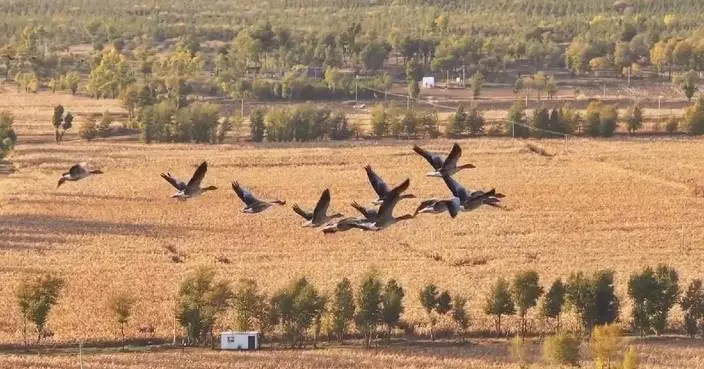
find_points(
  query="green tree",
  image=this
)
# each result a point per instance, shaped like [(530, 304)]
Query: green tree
[(554, 301), (249, 304), (593, 299), (634, 118), (526, 291), (200, 300), (414, 70), (369, 307), (380, 121), (692, 304), (654, 293), (332, 78), (129, 99), (110, 76), (71, 82), (175, 71), (517, 120), (541, 121), (121, 305), (458, 122), (36, 297), (428, 297), (342, 309), (256, 119), (499, 302), (688, 83), (460, 316), (8, 137), (518, 86), (475, 122), (391, 306), (608, 117), (299, 306), (593, 119), (477, 83)]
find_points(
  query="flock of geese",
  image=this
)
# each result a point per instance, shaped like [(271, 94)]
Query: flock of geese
[(372, 219)]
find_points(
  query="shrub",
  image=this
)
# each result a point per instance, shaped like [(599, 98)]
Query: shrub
[(104, 125), (672, 125), (369, 307), (87, 130), (562, 349), (606, 341), (8, 138), (694, 118), (520, 352)]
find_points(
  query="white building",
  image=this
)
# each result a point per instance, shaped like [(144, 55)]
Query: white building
[(239, 340), (428, 82)]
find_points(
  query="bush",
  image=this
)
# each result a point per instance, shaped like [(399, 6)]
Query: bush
[(694, 118), (562, 349), (8, 138), (200, 301), (87, 130), (104, 125), (672, 125)]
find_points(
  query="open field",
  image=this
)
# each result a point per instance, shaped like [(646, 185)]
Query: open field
[(620, 204)]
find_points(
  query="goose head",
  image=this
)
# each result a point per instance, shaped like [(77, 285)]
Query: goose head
[(62, 179)]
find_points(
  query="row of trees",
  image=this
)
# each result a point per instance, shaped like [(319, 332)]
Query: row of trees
[(299, 310)]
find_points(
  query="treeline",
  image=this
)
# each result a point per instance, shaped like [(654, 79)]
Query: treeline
[(278, 61), (299, 312)]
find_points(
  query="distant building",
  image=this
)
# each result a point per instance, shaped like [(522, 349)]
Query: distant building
[(428, 82), (239, 340)]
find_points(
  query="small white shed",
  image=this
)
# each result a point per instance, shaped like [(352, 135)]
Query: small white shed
[(239, 340), (428, 82)]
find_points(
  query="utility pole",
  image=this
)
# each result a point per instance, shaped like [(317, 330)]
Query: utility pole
[(242, 108), (408, 103)]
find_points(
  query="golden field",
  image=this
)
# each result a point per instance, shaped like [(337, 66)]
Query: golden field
[(619, 204)]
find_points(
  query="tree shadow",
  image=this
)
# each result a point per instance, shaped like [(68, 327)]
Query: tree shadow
[(43, 224)]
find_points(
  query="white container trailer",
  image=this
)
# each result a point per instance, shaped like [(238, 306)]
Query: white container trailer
[(239, 340)]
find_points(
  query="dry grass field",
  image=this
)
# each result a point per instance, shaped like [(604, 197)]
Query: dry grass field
[(620, 204)]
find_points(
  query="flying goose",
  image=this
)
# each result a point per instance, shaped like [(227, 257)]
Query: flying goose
[(319, 215), (342, 225), (192, 188), (471, 200), (448, 166), (252, 204), (78, 171), (380, 187), (385, 216), (345, 224), (437, 206)]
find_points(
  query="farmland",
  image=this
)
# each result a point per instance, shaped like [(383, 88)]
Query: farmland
[(621, 204)]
